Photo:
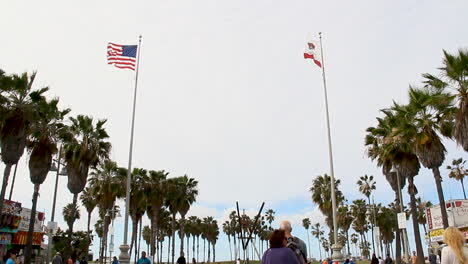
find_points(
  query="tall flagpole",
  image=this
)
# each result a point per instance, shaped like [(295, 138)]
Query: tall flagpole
[(336, 247), (124, 257)]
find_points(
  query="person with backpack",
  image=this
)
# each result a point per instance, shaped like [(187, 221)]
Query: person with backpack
[(294, 243), (278, 253)]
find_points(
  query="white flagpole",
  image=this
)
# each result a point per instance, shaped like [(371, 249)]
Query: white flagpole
[(124, 257), (337, 256)]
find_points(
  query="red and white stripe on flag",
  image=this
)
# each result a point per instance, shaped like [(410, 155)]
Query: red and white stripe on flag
[(117, 57), (312, 51)]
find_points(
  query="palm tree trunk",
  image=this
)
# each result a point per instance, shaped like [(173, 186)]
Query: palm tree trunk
[(173, 236), (32, 220), (320, 250), (463, 187), (182, 234), (188, 248), (70, 226), (6, 175), (308, 240), (193, 246), (372, 227), (198, 248), (347, 241), (209, 251), (414, 214), (139, 241), (134, 233), (169, 249), (440, 192), (230, 248), (214, 252), (89, 233)]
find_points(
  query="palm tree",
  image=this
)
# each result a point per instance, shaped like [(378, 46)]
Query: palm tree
[(321, 195), (376, 140), (326, 246), (138, 198), (42, 145), (422, 206), (173, 203), (105, 187), (306, 224), (156, 193), (70, 213), (428, 113), (188, 191), (17, 109), (366, 186), (345, 219), (270, 216), (194, 230), (454, 73), (318, 233), (360, 223), (227, 231), (354, 240), (458, 172), (89, 202), (84, 146), (394, 150), (147, 236)]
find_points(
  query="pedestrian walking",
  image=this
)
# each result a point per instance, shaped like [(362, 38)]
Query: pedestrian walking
[(57, 259)]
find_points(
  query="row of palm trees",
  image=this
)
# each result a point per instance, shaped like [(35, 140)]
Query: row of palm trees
[(407, 137), (31, 121), (410, 135), (152, 193)]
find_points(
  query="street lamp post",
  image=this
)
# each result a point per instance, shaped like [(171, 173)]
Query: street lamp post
[(52, 226), (112, 213)]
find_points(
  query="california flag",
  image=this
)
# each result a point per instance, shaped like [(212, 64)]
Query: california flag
[(312, 51)]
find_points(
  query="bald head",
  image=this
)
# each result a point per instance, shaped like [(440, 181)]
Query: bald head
[(286, 227)]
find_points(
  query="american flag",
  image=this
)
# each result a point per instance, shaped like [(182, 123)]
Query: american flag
[(122, 56)]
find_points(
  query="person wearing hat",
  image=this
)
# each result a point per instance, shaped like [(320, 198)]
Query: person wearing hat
[(57, 259)]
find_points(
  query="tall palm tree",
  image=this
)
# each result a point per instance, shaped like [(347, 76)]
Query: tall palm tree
[(17, 109), (454, 73), (84, 146), (366, 186), (70, 213), (270, 216), (422, 206), (306, 224), (345, 219), (428, 114), (156, 193), (321, 195), (394, 150), (458, 172), (360, 223), (89, 202), (376, 141), (188, 191), (227, 231), (173, 203), (106, 187), (354, 240), (147, 236), (194, 230), (42, 145), (318, 233)]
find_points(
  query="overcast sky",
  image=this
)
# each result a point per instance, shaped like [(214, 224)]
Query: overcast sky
[(225, 95)]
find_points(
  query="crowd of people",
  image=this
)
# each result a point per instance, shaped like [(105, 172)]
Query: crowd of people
[(288, 249)]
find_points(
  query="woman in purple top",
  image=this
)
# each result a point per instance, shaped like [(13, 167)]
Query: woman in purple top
[(278, 253)]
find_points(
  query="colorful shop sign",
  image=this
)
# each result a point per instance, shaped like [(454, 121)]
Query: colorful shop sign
[(21, 237)]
